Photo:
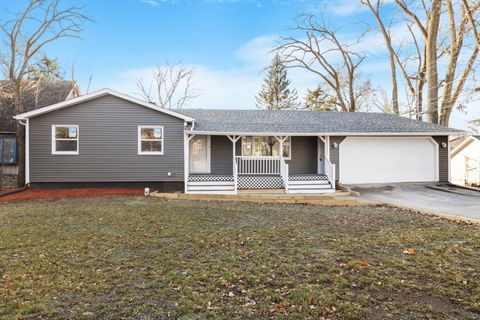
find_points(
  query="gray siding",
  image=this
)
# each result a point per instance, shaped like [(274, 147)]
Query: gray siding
[(304, 156), (221, 156), (335, 154), (108, 148), (442, 158)]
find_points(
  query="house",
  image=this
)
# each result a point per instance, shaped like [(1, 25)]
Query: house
[(107, 137), (465, 161), (37, 94)]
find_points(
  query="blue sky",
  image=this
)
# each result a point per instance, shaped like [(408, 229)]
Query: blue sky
[(227, 42)]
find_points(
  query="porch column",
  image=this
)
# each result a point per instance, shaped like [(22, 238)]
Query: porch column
[(234, 140), (281, 140), (186, 158), (324, 153)]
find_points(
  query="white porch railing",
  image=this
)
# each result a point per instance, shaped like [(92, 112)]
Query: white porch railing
[(284, 173), (473, 177), (235, 174), (253, 165), (330, 172)]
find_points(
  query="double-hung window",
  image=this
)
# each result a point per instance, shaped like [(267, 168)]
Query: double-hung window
[(150, 140), (65, 139), (8, 150), (265, 146)]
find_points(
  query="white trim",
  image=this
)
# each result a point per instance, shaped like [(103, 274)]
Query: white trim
[(208, 170), (462, 145), (186, 167), (98, 94), (27, 152), (300, 134), (327, 147), (449, 162), (437, 159), (54, 140), (139, 141)]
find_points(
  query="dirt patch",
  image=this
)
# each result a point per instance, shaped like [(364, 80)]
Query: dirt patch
[(44, 194)]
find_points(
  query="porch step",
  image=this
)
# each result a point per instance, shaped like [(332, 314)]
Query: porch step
[(309, 186), (262, 191), (311, 182), (210, 186)]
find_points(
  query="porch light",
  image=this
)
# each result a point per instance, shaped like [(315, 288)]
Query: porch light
[(444, 144), (335, 145)]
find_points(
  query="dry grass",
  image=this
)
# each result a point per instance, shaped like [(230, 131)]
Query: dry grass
[(134, 257)]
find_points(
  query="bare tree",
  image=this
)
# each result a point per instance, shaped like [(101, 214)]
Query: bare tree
[(442, 31), (375, 10), (322, 53), (171, 86), (26, 35)]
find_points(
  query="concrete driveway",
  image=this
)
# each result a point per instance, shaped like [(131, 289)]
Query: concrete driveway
[(435, 198)]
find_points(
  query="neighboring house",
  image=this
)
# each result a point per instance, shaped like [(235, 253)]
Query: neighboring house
[(36, 95), (465, 161), (110, 138)]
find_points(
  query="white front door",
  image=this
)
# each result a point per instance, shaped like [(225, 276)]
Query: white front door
[(200, 154)]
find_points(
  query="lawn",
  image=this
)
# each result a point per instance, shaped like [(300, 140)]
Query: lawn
[(146, 258)]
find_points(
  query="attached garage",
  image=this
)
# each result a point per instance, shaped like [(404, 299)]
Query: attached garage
[(388, 159)]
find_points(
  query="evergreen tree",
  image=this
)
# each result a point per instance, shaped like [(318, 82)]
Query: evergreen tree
[(275, 92), (319, 100), (45, 69)]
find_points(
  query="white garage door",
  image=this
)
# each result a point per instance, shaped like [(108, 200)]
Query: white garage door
[(388, 159)]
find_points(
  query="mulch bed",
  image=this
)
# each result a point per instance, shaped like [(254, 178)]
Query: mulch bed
[(39, 194)]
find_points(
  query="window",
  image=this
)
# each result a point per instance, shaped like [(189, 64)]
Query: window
[(65, 139), (150, 140), (265, 146), (8, 150)]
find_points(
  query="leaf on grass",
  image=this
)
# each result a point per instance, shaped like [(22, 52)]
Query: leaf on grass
[(410, 251)]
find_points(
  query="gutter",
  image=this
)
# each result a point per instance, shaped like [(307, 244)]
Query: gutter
[(6, 193)]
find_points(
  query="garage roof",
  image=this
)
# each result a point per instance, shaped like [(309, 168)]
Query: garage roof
[(308, 123)]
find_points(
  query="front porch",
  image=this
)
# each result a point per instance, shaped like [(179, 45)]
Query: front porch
[(227, 164)]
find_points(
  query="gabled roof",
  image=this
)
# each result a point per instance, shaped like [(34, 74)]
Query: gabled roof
[(36, 94), (463, 144), (309, 123), (98, 94)]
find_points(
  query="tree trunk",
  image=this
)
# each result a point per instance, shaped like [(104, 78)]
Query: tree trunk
[(396, 110), (420, 84), (431, 62)]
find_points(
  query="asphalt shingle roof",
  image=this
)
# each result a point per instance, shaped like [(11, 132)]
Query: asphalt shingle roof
[(297, 121)]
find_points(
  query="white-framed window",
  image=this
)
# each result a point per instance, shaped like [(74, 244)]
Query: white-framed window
[(65, 139), (265, 146), (150, 140)]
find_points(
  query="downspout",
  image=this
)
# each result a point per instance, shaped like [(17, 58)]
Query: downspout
[(27, 151)]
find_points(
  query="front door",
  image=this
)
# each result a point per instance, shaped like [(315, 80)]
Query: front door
[(200, 154)]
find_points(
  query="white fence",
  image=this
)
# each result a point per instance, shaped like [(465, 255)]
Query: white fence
[(473, 177), (330, 172), (258, 165)]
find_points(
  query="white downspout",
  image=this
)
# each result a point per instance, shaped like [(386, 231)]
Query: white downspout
[(27, 150)]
